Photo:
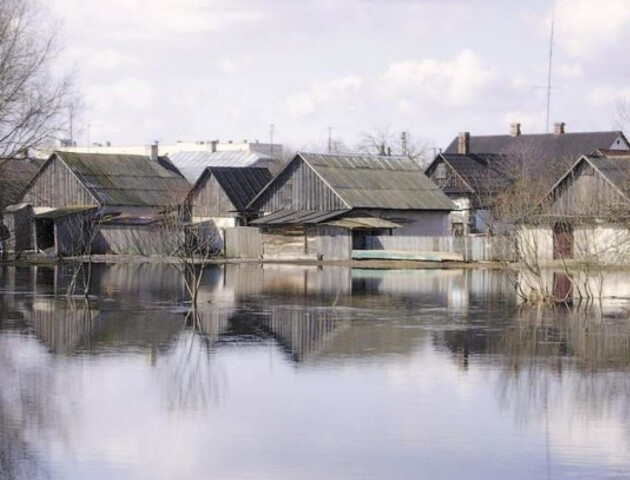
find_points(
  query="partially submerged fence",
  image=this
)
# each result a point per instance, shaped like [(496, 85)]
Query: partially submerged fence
[(243, 242), (472, 248), (248, 242)]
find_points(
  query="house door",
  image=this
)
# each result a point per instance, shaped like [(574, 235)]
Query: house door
[(562, 240)]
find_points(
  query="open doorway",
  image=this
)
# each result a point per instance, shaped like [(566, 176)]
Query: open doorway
[(44, 233)]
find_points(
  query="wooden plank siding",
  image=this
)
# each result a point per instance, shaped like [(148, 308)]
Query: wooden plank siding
[(243, 242), (299, 188), (56, 186), (586, 192), (212, 201)]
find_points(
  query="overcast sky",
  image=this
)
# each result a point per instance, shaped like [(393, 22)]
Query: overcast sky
[(173, 70)]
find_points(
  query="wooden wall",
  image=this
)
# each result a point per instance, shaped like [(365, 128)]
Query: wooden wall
[(299, 188), (243, 242), (586, 193), (56, 186), (285, 241), (211, 201), (334, 243)]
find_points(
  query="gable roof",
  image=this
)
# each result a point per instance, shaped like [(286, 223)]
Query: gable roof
[(364, 181), (614, 169), (478, 173), (126, 180), (538, 149), (15, 175), (193, 164), (241, 185)]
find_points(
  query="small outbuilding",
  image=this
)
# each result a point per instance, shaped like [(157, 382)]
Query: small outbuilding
[(324, 205)]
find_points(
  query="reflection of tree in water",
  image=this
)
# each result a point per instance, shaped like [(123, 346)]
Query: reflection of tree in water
[(190, 373), (576, 356)]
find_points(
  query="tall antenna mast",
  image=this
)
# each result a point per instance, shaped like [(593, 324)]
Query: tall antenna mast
[(553, 18)]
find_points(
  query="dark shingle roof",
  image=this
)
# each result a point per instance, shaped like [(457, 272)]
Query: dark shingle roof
[(127, 180), (364, 181), (538, 150), (241, 185), (482, 173)]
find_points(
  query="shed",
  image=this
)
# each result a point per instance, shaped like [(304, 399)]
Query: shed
[(314, 189), (126, 185)]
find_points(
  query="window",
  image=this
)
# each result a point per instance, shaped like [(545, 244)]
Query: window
[(440, 172)]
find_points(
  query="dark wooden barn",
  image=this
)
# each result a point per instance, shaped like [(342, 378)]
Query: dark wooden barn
[(98, 188)]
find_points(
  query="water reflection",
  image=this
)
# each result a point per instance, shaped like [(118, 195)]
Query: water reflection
[(314, 372)]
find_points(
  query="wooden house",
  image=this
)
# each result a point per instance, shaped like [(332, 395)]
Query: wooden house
[(471, 181), (71, 190), (325, 206), (473, 169), (221, 195), (586, 215)]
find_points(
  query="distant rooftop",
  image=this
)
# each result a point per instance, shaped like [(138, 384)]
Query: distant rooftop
[(167, 149), (193, 164)]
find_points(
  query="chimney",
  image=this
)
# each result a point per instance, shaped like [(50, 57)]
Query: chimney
[(463, 143), (154, 152), (558, 128), (214, 144), (515, 129)]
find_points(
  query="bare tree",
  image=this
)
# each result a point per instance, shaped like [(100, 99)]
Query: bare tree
[(190, 246), (382, 141), (33, 102)]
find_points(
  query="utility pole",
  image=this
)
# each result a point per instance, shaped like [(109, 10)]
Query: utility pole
[(553, 16), (330, 129), (403, 144), (271, 127)]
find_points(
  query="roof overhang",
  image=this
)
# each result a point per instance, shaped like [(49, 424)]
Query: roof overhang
[(63, 212), (362, 223)]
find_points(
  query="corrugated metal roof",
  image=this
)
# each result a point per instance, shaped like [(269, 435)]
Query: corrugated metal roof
[(193, 164), (127, 180), (615, 169), (363, 181), (241, 185), (298, 217), (15, 175)]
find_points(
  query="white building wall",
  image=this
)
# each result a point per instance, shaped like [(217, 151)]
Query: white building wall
[(602, 244), (536, 244), (425, 224)]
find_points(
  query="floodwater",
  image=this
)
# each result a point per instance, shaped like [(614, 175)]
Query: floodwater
[(306, 373)]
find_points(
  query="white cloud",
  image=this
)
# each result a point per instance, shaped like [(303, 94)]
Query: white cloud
[(456, 82), (586, 27), (531, 121), (305, 103), (569, 71), (152, 18), (607, 96)]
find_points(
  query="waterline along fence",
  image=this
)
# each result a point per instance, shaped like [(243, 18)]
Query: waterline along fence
[(472, 248), (247, 242)]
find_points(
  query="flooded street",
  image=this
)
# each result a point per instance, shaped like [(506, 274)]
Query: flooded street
[(306, 373)]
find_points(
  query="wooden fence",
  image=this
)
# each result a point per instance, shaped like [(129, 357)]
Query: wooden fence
[(243, 242), (472, 248)]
